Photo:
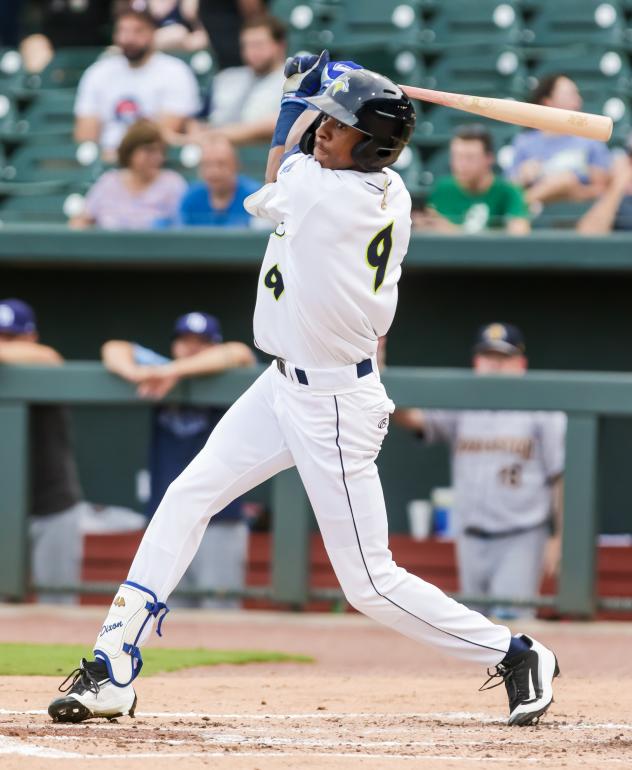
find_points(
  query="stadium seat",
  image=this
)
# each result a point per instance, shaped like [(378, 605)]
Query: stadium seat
[(435, 164), (49, 114), (436, 125), (568, 22), (562, 215), (11, 71), (496, 73), (30, 207), (597, 69), (463, 23), (409, 166), (402, 65), (10, 121), (310, 22), (65, 69), (378, 22), (79, 165)]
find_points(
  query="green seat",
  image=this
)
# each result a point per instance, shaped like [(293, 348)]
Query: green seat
[(378, 22), (46, 208), (401, 64), (55, 162), (437, 125), (10, 121), (562, 215), (50, 114), (435, 164), (202, 64), (310, 22), (65, 69), (569, 22), (598, 69), (11, 72), (497, 73), (467, 23), (410, 167)]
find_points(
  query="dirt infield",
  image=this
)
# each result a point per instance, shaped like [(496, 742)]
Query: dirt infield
[(371, 700)]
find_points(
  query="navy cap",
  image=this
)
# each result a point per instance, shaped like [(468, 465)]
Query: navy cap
[(500, 338), (199, 323), (16, 317)]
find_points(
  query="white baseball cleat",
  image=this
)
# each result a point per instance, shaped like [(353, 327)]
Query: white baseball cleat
[(91, 694), (528, 678)]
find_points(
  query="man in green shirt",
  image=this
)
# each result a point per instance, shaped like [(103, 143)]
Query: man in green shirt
[(473, 198)]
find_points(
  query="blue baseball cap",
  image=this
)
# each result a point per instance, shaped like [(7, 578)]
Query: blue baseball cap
[(500, 338), (203, 324), (16, 317)]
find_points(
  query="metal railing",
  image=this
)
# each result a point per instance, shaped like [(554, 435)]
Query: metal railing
[(585, 397)]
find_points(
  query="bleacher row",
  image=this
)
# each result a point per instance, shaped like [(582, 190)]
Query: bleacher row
[(483, 47)]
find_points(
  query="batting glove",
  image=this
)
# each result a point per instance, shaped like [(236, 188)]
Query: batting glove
[(304, 75)]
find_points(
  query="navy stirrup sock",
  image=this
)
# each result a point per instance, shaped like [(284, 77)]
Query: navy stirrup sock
[(516, 647)]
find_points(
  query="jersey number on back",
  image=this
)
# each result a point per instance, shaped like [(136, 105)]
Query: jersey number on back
[(378, 252)]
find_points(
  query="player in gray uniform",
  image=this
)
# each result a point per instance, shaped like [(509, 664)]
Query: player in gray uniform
[(327, 291), (507, 476)]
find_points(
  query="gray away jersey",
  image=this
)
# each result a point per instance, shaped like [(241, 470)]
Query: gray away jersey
[(503, 464), (328, 283)]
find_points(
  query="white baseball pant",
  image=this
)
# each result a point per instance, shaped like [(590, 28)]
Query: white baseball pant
[(333, 435)]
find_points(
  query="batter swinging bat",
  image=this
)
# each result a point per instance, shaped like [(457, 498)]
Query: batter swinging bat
[(521, 113)]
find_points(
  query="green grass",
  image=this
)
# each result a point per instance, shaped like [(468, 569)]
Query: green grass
[(61, 659)]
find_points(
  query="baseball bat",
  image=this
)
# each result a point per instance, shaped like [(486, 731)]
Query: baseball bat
[(520, 113)]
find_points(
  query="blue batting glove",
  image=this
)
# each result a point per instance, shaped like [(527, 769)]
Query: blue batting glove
[(295, 64), (333, 69), (305, 79)]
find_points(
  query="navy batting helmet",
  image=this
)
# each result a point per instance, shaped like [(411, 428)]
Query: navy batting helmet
[(372, 104)]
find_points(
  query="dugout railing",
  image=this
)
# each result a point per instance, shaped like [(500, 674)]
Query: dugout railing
[(585, 397)]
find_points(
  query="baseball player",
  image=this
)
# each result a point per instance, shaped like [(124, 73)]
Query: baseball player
[(327, 290), (507, 475)]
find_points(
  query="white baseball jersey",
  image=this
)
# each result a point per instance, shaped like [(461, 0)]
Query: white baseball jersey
[(503, 463), (326, 292)]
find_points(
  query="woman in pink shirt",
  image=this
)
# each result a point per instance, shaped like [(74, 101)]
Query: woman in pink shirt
[(140, 192)]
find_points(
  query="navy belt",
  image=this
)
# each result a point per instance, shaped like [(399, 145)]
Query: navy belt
[(363, 368)]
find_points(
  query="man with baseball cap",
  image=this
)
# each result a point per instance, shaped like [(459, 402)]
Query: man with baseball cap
[(507, 471), (179, 432), (58, 515)]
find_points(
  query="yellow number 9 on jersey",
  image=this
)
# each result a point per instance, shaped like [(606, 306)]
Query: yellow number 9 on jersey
[(378, 252)]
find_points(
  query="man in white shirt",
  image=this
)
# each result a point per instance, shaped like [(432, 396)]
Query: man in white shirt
[(245, 100), (139, 82)]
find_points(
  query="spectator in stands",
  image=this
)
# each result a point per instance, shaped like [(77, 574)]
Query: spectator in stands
[(557, 167), (64, 24), (507, 471), (245, 100), (179, 433), (223, 20), (139, 82), (218, 200), (613, 209), (141, 193), (58, 514), (177, 24), (473, 198)]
